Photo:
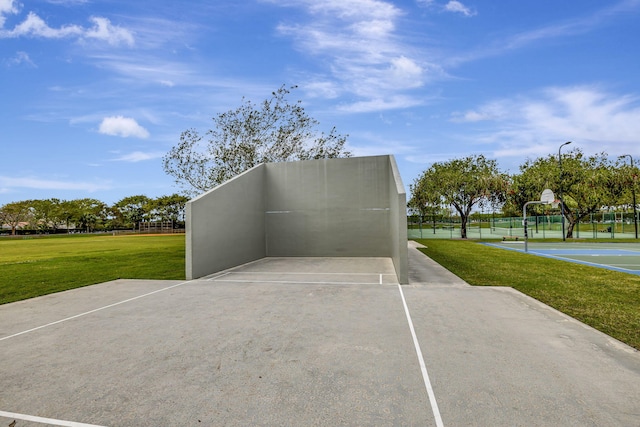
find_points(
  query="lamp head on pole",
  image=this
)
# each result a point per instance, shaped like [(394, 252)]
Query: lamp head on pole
[(560, 148)]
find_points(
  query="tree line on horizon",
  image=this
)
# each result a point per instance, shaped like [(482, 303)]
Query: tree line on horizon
[(89, 215), (586, 185)]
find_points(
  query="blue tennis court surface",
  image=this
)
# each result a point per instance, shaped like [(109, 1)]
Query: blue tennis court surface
[(623, 257)]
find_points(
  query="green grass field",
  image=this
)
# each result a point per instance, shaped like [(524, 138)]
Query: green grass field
[(43, 265), (606, 300)]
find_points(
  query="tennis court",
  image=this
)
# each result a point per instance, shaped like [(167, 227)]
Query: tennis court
[(623, 257), (308, 342)]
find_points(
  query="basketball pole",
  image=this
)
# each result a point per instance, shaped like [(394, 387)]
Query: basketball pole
[(564, 237), (633, 193)]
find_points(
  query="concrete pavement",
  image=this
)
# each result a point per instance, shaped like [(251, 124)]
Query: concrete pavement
[(309, 341)]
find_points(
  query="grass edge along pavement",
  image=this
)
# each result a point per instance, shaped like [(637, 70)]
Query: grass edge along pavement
[(605, 300), (44, 265)]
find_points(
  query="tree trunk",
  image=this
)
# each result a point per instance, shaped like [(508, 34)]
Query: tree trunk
[(463, 226), (570, 225)]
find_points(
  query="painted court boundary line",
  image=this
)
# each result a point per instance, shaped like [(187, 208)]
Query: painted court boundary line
[(298, 282), (226, 277), (302, 273), (93, 311), (41, 420), (423, 366)]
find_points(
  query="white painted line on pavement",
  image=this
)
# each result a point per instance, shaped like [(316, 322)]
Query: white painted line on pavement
[(292, 282), (213, 279), (41, 420), (93, 311), (423, 366)]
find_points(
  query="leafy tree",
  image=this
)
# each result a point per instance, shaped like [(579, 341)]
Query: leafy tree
[(68, 213), (274, 131), (15, 213), (46, 214), (426, 200), (586, 183), (461, 183), (133, 209), (90, 213), (628, 178), (169, 208)]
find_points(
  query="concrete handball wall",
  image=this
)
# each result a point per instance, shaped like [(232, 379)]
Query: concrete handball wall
[(334, 207), (398, 244), (331, 207), (225, 226)]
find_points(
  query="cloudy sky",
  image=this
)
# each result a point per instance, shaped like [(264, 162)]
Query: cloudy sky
[(94, 93)]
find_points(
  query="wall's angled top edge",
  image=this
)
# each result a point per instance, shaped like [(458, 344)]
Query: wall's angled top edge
[(226, 182), (334, 159), (396, 175)]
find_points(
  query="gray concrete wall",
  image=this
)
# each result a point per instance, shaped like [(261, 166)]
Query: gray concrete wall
[(225, 226), (352, 207), (332, 207), (398, 222)]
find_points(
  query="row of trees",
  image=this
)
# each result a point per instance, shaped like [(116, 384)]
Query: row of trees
[(52, 215), (587, 184)]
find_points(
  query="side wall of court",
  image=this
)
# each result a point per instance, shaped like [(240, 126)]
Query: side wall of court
[(351, 207), (225, 226)]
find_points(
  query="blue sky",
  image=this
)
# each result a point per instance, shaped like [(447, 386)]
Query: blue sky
[(95, 92)]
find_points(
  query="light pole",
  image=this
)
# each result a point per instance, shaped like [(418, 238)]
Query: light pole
[(564, 237), (633, 194)]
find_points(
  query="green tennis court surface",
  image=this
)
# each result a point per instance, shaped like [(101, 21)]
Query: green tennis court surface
[(623, 257)]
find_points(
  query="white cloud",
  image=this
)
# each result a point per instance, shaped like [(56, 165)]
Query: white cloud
[(139, 156), (490, 111), (21, 58), (6, 7), (324, 89), (379, 104), (148, 68), (105, 31), (122, 126), (364, 52), (347, 9), (594, 119), (67, 2), (8, 183), (406, 70), (451, 6), (456, 6), (35, 26), (567, 28)]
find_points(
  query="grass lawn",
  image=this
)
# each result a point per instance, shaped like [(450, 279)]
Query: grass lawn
[(43, 265), (606, 300)]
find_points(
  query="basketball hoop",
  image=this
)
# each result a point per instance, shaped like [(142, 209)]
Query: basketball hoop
[(555, 204), (547, 197)]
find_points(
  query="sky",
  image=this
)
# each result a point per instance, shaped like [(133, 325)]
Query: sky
[(94, 93)]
